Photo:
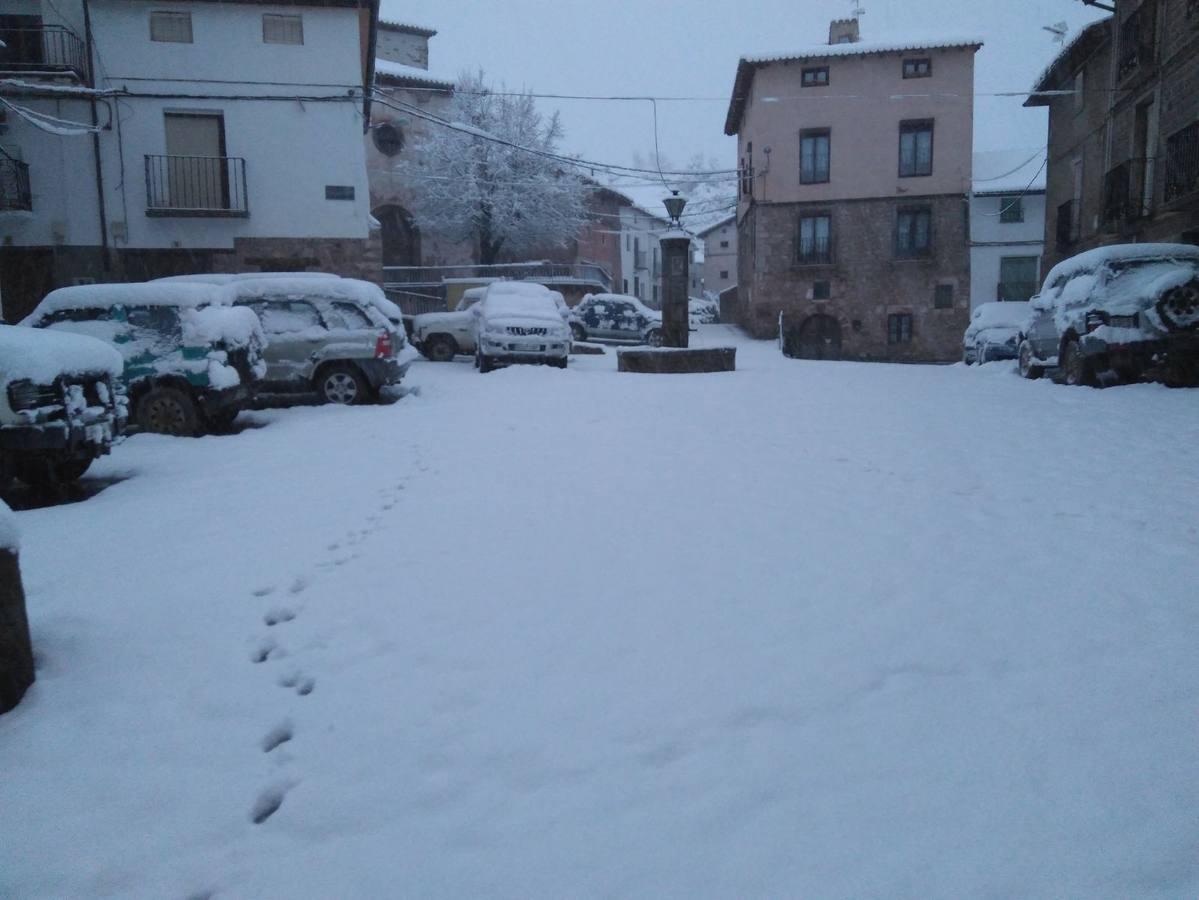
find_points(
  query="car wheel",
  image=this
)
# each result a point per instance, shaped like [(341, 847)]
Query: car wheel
[(342, 384), (1075, 368), (577, 332), (1179, 307), (653, 337), (485, 364), (168, 410), (560, 363), (441, 348), (41, 473), (1024, 362)]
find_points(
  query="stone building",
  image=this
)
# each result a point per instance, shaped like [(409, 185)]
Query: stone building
[(1124, 134), (852, 216), (139, 141)]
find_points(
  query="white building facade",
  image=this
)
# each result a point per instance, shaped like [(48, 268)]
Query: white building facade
[(227, 137), (1007, 225)]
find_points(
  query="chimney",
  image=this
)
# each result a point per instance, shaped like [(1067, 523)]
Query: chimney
[(843, 31)]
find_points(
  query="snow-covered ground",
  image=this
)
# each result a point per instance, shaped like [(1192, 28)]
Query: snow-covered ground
[(806, 630)]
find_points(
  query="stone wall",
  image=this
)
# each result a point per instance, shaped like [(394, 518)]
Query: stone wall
[(16, 652), (347, 257), (865, 282)]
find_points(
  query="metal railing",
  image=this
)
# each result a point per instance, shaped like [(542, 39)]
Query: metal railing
[(815, 251), (1068, 223), (51, 49), (1124, 197), (1182, 162), (196, 186), (1015, 290), (14, 184), (394, 277)]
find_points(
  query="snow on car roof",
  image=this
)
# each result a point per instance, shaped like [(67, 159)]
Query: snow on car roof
[(1009, 312), (228, 278), (1092, 259), (519, 298), (9, 537), (361, 292), (42, 356), (626, 298), (147, 293)]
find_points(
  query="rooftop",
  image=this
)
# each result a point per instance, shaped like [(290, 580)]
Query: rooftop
[(390, 25), (1080, 46), (387, 72)]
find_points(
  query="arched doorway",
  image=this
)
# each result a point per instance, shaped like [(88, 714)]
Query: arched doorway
[(401, 237), (818, 337)]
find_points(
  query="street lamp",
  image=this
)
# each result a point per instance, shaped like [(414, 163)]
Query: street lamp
[(674, 207)]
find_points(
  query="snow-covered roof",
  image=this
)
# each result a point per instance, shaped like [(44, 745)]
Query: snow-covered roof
[(897, 44), (1080, 44), (723, 220), (390, 70), (392, 25), (228, 278), (1092, 259), (1011, 171), (42, 356), (149, 293), (9, 537)]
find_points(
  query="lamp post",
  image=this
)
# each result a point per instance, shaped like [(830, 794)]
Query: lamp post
[(676, 258)]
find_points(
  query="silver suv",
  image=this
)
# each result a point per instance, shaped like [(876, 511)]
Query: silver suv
[(1122, 311), (326, 335)]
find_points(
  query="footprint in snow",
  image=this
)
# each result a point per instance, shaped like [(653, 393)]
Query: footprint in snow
[(280, 734), (268, 803), (278, 616), (264, 591), (302, 684), (266, 649), (299, 585)]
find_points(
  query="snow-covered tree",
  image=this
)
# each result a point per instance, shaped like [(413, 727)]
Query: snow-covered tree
[(505, 200)]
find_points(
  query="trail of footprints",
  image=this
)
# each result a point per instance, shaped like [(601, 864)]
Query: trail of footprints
[(269, 649)]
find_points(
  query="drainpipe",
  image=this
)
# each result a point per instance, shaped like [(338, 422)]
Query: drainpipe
[(105, 253)]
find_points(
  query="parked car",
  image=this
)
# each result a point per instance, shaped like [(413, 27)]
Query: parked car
[(60, 404), (519, 322), (703, 311), (441, 336), (994, 331), (616, 317), (1128, 309), (192, 361), (327, 336)]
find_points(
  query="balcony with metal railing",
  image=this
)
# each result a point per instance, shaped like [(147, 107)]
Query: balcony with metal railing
[(1182, 165), (14, 185), (1068, 223), (202, 186), (44, 50)]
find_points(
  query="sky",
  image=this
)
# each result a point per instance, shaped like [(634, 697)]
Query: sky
[(676, 48)]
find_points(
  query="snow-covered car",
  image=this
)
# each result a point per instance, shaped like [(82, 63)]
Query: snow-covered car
[(192, 360), (326, 336), (1127, 309), (60, 404), (616, 317), (441, 336), (994, 331), (519, 322), (703, 311)]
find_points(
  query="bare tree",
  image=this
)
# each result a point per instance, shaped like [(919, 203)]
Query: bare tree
[(474, 186)]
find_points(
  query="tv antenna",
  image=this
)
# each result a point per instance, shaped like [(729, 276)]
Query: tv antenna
[(1059, 30), (855, 9)]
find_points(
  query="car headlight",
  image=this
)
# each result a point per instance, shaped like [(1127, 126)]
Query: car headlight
[(24, 394)]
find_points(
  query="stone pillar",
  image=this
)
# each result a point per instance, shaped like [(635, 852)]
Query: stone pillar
[(16, 650), (676, 260)]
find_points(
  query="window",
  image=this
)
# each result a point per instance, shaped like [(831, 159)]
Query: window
[(350, 316), (724, 244), (913, 236), (1080, 98), (1182, 162), (1011, 210), (281, 29), (815, 240), (1017, 277), (286, 316), (388, 138), (915, 148), (172, 27), (636, 286), (161, 320), (655, 292), (747, 171), (899, 328), (817, 77), (820, 290), (917, 68), (724, 274), (813, 156), (943, 296)]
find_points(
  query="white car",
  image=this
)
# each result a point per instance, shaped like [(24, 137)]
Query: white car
[(441, 336), (994, 331), (519, 322)]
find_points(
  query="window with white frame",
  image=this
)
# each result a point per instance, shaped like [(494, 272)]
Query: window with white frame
[(282, 29), (171, 27)]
